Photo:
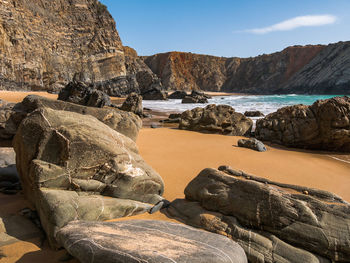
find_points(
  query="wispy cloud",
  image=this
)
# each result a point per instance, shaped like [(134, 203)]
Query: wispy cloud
[(299, 21)]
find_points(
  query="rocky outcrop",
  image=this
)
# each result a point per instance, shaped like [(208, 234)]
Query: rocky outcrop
[(71, 163), (64, 38), (147, 241), (273, 222), (133, 103), (253, 144), (179, 95), (82, 94), (254, 114), (220, 119), (324, 125), (124, 122), (196, 97), (313, 69)]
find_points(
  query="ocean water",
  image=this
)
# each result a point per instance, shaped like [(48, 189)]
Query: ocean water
[(241, 103)]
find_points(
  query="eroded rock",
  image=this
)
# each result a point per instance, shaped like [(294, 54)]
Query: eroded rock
[(133, 103), (253, 144)]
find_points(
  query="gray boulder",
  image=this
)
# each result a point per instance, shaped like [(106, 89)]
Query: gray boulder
[(255, 113), (253, 144), (70, 164), (273, 222), (220, 119), (133, 103), (146, 241)]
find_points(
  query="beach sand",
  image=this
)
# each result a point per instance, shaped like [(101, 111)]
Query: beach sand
[(178, 156)]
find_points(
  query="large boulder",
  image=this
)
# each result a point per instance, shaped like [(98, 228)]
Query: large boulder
[(133, 103), (124, 122), (150, 86), (325, 125), (71, 164), (83, 94), (273, 222), (254, 113), (8, 123), (147, 241), (196, 97), (179, 94), (220, 119)]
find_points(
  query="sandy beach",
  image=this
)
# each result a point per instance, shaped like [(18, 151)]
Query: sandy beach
[(178, 156)]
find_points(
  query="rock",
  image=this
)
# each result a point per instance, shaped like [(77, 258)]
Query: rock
[(8, 124), (133, 103), (155, 125), (179, 94), (253, 144), (146, 241), (273, 222), (220, 119), (174, 115), (150, 86), (196, 97), (82, 94), (324, 125), (72, 164), (254, 114), (124, 122), (7, 156)]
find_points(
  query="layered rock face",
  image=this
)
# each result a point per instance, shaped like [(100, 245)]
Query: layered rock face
[(273, 222), (324, 125), (44, 44), (71, 165), (314, 69)]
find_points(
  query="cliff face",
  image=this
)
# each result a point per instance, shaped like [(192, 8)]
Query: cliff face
[(44, 44), (298, 69)]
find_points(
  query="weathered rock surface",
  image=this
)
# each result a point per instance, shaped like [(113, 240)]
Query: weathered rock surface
[(71, 163), (8, 125), (124, 122), (324, 125), (133, 103), (80, 93), (216, 119), (253, 144), (146, 241), (64, 38), (254, 114), (196, 97), (273, 222), (179, 95)]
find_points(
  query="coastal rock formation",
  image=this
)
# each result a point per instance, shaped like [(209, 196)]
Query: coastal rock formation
[(124, 122), (220, 119), (133, 103), (254, 114), (71, 163), (179, 95), (83, 40), (8, 125), (196, 97), (253, 144), (82, 94), (273, 222), (147, 241), (324, 125)]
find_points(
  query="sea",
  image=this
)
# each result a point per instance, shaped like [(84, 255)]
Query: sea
[(241, 103)]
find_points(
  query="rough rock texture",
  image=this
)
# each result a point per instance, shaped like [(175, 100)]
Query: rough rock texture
[(8, 125), (179, 94), (82, 39), (273, 222), (133, 103), (220, 119), (124, 122), (147, 241), (254, 114), (196, 97), (314, 69), (70, 163), (324, 125), (253, 144), (150, 86), (80, 93)]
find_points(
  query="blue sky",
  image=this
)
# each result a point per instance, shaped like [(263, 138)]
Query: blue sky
[(228, 28)]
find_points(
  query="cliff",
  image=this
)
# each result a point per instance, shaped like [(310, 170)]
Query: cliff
[(298, 69), (44, 44)]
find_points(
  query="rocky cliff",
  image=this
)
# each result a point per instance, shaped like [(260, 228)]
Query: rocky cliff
[(297, 69), (44, 44)]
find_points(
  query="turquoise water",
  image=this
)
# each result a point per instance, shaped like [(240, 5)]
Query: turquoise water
[(264, 103)]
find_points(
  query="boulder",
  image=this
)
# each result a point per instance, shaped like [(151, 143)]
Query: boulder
[(179, 94), (253, 144), (273, 222), (325, 125), (150, 86), (146, 241), (220, 119), (255, 113), (8, 124), (190, 99), (133, 103), (154, 94), (84, 94), (124, 122), (72, 164)]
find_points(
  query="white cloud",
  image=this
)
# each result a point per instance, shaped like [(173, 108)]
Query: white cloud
[(299, 21)]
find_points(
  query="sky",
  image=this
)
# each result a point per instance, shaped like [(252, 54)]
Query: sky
[(228, 28)]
